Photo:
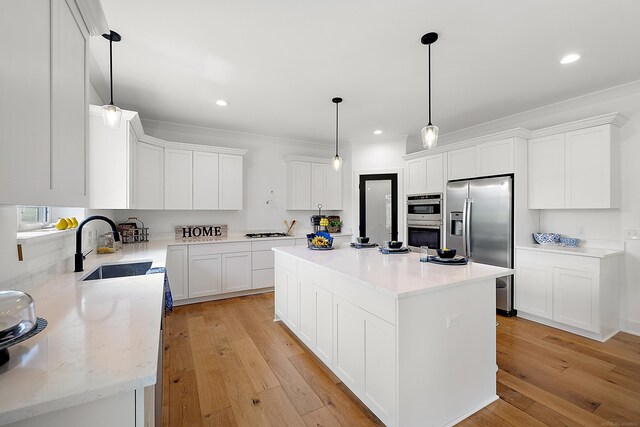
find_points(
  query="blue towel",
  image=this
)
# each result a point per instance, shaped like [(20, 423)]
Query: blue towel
[(168, 298)]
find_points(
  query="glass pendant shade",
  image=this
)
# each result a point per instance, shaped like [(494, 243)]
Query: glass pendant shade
[(429, 136), (111, 116), (336, 162)]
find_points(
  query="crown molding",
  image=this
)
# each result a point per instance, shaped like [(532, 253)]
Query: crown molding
[(511, 133), (93, 16), (296, 158), (228, 135), (615, 119)]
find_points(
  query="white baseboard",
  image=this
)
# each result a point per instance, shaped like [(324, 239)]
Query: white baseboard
[(473, 411), (630, 326)]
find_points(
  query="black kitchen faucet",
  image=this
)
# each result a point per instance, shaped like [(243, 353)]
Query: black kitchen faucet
[(79, 256)]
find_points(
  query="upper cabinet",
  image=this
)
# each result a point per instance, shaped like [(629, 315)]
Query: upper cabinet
[(575, 170), (312, 182), (44, 99), (426, 175), (131, 170), (486, 159)]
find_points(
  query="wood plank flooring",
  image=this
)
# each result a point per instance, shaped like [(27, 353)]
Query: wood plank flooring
[(228, 364)]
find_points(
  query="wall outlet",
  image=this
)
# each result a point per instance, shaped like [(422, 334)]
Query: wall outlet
[(580, 230), (632, 234), (453, 320)]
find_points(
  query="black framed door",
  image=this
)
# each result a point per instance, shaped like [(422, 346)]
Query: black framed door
[(379, 207)]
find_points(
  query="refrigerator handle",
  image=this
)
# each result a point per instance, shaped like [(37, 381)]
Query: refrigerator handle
[(465, 218), (467, 226)]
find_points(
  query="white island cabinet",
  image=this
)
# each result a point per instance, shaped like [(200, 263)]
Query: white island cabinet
[(415, 342)]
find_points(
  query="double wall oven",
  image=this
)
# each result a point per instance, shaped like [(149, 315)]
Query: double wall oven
[(424, 221)]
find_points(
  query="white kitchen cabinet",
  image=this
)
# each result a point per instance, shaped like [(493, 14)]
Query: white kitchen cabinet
[(323, 299), (177, 265), (312, 181), (591, 160), (350, 350), (178, 179), (575, 170), (148, 172), (236, 272), (426, 175), (44, 100), (205, 275), (578, 293), (435, 173), (69, 114), (379, 367), (307, 331), (319, 184), (230, 182), (298, 185), (417, 176), (575, 298), (286, 300), (462, 163), (534, 290), (205, 180), (495, 158), (546, 172)]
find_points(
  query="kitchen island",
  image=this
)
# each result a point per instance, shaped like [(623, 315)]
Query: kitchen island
[(414, 341)]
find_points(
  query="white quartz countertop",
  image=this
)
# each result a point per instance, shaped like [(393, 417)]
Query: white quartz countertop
[(102, 338), (398, 275), (582, 251)]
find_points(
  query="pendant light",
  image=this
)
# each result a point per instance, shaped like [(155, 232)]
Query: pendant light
[(430, 131), (111, 114), (337, 160)]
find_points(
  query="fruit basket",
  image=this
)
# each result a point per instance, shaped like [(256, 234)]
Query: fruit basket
[(320, 241)]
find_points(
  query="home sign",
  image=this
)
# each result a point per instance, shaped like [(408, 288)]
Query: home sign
[(201, 232)]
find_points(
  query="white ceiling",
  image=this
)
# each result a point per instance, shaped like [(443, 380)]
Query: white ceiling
[(279, 62)]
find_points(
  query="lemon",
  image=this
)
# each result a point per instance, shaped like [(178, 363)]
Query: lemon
[(62, 224), (74, 222)]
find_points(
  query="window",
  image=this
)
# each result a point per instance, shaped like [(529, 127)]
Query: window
[(32, 217)]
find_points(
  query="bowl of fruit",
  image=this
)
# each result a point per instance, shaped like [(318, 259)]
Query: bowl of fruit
[(320, 241), (446, 253)]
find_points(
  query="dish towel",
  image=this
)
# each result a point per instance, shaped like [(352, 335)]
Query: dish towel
[(168, 298)]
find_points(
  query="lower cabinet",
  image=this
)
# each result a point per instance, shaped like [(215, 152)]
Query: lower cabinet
[(576, 293), (357, 345), (128, 409), (236, 272), (177, 265), (205, 275)]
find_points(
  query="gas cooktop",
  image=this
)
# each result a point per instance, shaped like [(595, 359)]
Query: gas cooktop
[(263, 235)]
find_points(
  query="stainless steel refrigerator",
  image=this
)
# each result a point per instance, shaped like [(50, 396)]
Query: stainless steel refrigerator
[(480, 226)]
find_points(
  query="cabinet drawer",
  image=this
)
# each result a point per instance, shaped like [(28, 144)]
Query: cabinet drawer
[(266, 245), (262, 278), (261, 260), (374, 302), (219, 248)]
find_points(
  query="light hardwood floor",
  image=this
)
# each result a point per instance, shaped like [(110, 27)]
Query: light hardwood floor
[(228, 364)]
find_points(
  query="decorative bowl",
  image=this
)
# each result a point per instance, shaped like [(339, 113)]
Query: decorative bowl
[(446, 253), (395, 245), (363, 240), (324, 234), (569, 242), (546, 238)]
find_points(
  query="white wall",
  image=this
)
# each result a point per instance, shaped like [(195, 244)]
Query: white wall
[(378, 154), (599, 227), (264, 204)]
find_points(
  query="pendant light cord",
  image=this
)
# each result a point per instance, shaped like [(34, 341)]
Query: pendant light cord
[(337, 105), (429, 66), (111, 65)]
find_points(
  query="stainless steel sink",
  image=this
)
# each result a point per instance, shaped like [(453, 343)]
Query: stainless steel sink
[(119, 270)]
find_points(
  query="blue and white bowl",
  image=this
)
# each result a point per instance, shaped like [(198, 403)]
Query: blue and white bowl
[(569, 242), (546, 238)]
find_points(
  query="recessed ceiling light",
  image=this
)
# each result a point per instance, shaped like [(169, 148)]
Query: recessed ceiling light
[(377, 132), (568, 59), (222, 102)]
